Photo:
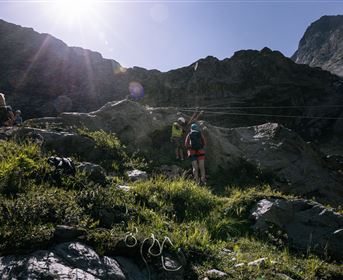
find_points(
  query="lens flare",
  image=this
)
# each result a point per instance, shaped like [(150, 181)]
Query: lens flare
[(63, 104), (136, 90)]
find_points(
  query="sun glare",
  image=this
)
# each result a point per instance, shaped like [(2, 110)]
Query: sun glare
[(74, 9)]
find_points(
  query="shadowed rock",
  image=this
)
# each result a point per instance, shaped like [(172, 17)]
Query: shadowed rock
[(74, 260), (309, 226)]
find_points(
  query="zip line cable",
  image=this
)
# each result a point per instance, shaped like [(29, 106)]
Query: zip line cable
[(264, 115), (262, 107)]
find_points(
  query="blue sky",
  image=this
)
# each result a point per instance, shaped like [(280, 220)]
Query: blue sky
[(168, 35)]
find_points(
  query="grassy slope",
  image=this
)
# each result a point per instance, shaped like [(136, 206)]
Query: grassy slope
[(213, 231)]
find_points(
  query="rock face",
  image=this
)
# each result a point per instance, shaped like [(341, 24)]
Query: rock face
[(251, 79), (308, 225), (322, 45), (74, 260), (65, 261), (299, 168), (43, 77)]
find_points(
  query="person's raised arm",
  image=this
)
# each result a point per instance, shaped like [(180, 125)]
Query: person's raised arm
[(196, 115), (203, 140), (187, 144)]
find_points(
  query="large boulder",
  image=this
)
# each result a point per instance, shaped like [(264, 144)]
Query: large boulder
[(309, 226), (299, 168), (62, 143), (94, 172), (65, 261), (132, 122), (74, 260)]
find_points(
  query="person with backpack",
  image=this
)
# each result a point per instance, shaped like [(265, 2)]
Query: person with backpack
[(195, 144), (18, 120), (179, 129)]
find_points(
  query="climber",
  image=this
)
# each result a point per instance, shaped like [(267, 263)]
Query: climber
[(6, 116), (178, 130), (18, 120), (6, 113), (195, 144), (2, 100)]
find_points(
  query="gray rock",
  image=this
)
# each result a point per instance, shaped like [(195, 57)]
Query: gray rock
[(124, 188), (110, 216), (93, 171), (308, 225), (171, 269), (283, 276), (259, 262), (137, 175), (134, 124), (215, 273), (65, 261), (299, 168), (131, 270), (64, 143), (171, 171), (64, 233)]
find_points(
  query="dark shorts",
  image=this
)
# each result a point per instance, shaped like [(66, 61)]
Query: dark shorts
[(196, 154), (178, 142)]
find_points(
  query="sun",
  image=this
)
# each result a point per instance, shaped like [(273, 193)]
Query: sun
[(72, 10)]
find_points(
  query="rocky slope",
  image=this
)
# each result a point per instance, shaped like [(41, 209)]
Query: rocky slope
[(299, 168), (42, 76), (322, 45), (308, 225), (75, 260), (114, 226)]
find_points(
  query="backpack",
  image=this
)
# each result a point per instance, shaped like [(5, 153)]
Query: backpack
[(195, 140), (63, 165)]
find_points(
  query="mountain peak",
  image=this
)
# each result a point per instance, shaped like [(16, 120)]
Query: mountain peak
[(322, 45)]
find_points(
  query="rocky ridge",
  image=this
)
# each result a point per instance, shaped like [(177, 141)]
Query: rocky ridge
[(72, 79), (322, 45)]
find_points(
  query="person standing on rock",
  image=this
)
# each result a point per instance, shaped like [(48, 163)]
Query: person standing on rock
[(2, 100), (179, 130), (18, 120), (6, 113), (177, 137), (195, 144)]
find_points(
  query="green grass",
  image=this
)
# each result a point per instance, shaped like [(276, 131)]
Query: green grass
[(115, 156), (195, 219)]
